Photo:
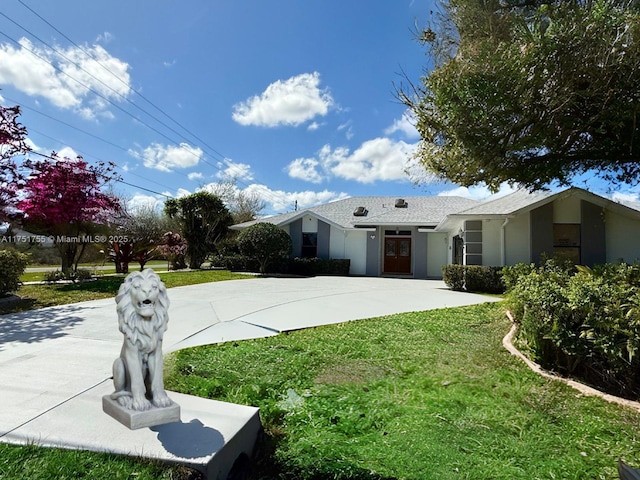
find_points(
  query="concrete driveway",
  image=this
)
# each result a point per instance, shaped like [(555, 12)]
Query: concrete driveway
[(55, 363)]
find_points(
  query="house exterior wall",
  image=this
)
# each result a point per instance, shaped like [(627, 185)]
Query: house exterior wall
[(492, 243), (567, 210), (437, 253), (592, 234), (295, 232), (420, 249), (621, 238), (516, 240), (352, 245), (374, 253), (541, 220), (324, 240)]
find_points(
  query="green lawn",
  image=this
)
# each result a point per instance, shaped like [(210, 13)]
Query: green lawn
[(429, 395), (106, 286)]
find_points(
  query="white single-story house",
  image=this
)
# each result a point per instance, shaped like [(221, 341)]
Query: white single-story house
[(416, 236)]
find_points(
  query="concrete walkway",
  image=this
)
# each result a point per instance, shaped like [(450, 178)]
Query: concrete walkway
[(55, 363)]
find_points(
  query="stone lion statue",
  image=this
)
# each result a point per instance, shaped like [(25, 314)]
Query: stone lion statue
[(142, 305)]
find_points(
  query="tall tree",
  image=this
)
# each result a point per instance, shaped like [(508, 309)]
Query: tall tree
[(244, 205), (136, 235), (63, 198), (204, 220), (530, 92), (12, 143)]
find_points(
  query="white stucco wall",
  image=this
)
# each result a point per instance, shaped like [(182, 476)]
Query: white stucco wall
[(352, 245), (622, 238), (437, 253), (518, 240), (567, 210), (309, 224), (492, 243)]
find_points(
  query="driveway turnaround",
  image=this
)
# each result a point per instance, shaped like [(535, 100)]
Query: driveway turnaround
[(55, 363)]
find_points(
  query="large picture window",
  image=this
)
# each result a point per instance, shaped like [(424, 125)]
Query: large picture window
[(309, 245)]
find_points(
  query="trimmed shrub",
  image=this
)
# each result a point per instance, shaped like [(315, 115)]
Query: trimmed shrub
[(310, 267), (12, 265), (236, 263), (583, 322), (453, 277), (483, 279), (473, 278)]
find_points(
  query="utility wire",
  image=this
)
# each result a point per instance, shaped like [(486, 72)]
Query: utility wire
[(269, 192)]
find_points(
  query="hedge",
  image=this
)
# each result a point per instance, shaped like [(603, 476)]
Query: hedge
[(307, 267), (12, 265), (582, 322), (473, 278)]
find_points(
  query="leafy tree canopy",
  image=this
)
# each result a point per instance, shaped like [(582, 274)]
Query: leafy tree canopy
[(12, 142), (64, 198), (204, 220), (265, 242), (530, 92)]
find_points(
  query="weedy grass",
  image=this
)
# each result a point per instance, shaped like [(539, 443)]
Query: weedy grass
[(47, 295), (427, 395)]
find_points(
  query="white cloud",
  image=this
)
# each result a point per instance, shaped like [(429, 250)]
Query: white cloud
[(378, 159), (348, 129), (305, 169), (71, 83), (313, 126), (289, 102), (478, 192), (277, 201), (405, 125), (195, 176), (167, 158), (281, 201), (229, 170), (105, 37), (141, 201), (67, 152)]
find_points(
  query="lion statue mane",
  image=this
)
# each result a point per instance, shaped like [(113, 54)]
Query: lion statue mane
[(142, 305)]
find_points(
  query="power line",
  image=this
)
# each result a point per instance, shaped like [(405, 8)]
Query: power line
[(274, 197)]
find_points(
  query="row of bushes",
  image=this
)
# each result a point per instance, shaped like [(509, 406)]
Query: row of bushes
[(579, 321), (12, 265), (473, 278), (307, 267)]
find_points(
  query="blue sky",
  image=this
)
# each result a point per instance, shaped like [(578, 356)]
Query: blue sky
[(294, 100)]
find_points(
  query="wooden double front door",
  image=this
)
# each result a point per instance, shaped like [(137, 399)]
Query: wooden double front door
[(397, 255)]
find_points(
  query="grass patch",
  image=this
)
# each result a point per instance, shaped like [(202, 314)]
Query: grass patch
[(429, 395), (48, 295), (37, 463)]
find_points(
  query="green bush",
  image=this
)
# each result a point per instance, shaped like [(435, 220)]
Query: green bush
[(483, 279), (473, 278), (318, 266), (583, 322), (235, 263), (453, 277), (12, 265)]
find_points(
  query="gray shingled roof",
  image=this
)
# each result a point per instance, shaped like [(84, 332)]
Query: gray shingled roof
[(508, 204), (420, 211)]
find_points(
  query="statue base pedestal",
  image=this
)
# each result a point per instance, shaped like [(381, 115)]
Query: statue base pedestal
[(133, 419)]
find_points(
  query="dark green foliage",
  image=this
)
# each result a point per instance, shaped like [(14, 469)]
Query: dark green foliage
[(453, 277), (204, 221), (584, 323), (265, 243), (236, 263), (483, 279), (310, 267), (12, 265), (531, 92), (473, 278)]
